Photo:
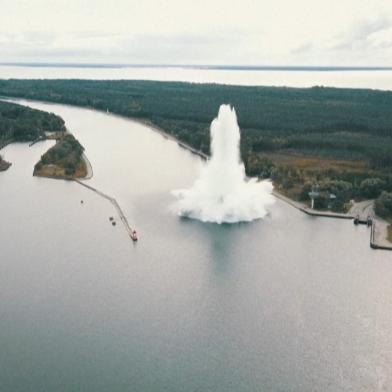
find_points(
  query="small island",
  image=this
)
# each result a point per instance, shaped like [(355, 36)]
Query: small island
[(65, 160), (4, 165)]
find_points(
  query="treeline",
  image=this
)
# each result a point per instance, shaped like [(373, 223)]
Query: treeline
[(66, 155), (20, 123), (335, 189), (353, 125), (338, 123), (383, 205)]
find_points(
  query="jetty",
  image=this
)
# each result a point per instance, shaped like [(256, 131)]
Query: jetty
[(114, 202), (360, 213), (309, 211), (39, 139)]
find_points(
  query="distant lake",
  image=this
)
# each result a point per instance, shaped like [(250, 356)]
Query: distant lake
[(289, 303), (252, 76)]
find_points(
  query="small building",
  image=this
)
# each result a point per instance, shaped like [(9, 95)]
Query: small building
[(313, 194)]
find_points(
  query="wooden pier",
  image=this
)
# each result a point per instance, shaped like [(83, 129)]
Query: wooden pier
[(112, 200)]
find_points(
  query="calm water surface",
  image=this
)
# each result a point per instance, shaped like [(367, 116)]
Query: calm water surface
[(380, 79), (288, 303)]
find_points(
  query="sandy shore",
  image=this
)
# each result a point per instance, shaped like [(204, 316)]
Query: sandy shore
[(89, 168)]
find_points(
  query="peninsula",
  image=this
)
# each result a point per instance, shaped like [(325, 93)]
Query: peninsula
[(20, 123), (64, 160)]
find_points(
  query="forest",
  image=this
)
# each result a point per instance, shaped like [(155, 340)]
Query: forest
[(331, 138), (23, 124), (62, 160)]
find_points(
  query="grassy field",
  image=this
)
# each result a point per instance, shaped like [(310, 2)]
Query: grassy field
[(305, 162), (55, 171)]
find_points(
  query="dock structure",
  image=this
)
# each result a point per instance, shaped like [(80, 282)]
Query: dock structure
[(310, 211), (378, 239), (360, 213), (114, 202), (326, 214)]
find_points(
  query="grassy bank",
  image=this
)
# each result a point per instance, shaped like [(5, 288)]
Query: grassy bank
[(389, 233)]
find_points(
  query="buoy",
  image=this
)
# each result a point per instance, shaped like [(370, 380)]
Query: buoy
[(81, 201)]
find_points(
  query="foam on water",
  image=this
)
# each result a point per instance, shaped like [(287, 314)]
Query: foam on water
[(223, 194)]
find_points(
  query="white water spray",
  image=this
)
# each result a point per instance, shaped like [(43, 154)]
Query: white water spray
[(222, 194)]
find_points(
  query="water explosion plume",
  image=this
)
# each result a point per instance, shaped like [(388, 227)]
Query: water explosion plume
[(223, 194)]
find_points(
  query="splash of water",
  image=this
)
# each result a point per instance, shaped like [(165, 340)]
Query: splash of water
[(223, 194)]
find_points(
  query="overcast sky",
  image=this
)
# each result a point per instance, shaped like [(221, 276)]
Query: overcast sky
[(254, 32)]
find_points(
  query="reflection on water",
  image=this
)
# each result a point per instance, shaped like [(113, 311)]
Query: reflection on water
[(289, 303)]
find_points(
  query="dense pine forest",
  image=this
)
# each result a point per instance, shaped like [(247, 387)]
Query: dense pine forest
[(337, 139), (20, 123)]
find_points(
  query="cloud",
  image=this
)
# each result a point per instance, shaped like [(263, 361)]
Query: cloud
[(313, 32), (304, 48), (183, 48), (359, 35), (141, 48), (381, 39)]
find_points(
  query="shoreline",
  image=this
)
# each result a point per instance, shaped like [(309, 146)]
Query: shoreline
[(89, 168), (85, 165), (5, 165), (378, 237)]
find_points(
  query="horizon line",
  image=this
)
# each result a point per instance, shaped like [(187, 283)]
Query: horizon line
[(201, 66)]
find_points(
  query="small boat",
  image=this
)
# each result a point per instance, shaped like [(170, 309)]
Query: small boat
[(134, 235), (111, 218), (114, 223)]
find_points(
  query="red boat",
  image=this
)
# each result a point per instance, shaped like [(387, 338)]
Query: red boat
[(134, 235)]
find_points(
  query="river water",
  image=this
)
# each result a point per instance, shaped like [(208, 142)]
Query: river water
[(288, 303)]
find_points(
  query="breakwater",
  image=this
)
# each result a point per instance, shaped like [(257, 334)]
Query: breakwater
[(114, 202)]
